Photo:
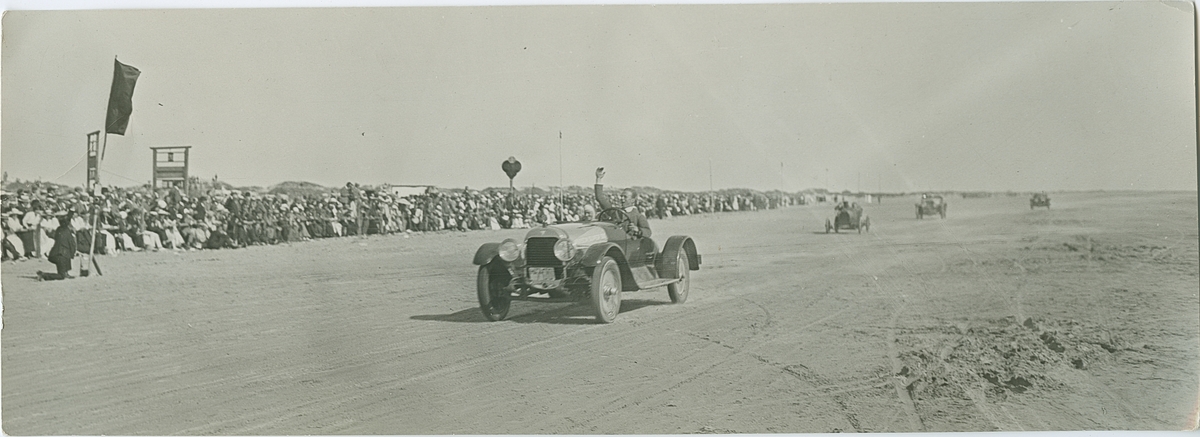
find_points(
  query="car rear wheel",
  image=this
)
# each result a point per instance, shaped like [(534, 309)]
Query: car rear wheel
[(493, 300), (606, 290), (679, 290)]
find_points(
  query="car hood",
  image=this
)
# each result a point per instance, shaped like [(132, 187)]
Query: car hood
[(581, 234)]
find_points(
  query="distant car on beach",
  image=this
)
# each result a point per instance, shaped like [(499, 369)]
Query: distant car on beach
[(930, 205), (1039, 199), (848, 216)]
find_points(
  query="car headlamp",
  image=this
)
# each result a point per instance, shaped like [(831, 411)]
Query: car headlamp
[(509, 251), (564, 250)]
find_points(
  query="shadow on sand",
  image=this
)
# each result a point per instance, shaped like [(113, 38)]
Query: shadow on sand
[(532, 312)]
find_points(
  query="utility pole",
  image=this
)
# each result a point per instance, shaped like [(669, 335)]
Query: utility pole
[(779, 201), (711, 207)]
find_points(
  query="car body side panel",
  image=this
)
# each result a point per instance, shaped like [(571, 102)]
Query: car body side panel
[(640, 277), (641, 252)]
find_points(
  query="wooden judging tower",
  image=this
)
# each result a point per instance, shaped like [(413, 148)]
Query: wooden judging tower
[(93, 161), (170, 167)]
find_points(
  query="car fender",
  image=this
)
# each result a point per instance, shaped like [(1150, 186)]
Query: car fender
[(486, 253), (670, 255), (594, 254)]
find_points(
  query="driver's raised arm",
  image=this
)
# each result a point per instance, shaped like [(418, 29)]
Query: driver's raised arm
[(600, 197)]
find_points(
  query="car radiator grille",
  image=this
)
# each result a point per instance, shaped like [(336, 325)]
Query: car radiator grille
[(539, 252)]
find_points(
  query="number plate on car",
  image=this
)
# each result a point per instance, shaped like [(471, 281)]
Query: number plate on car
[(541, 274)]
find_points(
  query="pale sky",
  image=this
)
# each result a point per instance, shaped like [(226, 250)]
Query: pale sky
[(898, 96)]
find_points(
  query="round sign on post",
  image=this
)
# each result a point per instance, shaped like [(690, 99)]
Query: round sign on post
[(511, 166)]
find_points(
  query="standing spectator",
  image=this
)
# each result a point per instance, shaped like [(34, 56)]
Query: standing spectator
[(12, 243), (356, 208), (234, 227), (29, 229)]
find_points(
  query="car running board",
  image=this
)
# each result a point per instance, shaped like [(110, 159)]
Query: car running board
[(655, 283)]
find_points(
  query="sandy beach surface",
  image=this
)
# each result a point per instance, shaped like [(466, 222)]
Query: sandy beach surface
[(1085, 316)]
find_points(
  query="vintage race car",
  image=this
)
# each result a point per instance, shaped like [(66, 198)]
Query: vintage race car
[(589, 261), (850, 217), (931, 205), (1039, 199)]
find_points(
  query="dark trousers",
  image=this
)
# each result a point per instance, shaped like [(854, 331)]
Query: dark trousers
[(10, 250), (30, 239), (63, 265)]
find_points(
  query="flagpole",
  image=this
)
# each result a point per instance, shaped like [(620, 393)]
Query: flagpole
[(560, 175), (96, 211), (124, 79), (103, 149), (95, 215)]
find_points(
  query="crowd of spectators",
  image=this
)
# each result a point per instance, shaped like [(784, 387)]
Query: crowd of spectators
[(139, 219)]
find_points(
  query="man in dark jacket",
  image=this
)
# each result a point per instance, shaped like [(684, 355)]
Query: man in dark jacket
[(63, 251), (638, 225)]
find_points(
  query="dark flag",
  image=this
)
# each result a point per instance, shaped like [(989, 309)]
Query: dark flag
[(120, 99)]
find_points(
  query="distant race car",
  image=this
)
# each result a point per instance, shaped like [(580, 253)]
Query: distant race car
[(848, 217), (930, 205), (593, 261), (1039, 199)]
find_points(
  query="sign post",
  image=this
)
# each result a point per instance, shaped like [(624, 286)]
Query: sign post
[(511, 167)]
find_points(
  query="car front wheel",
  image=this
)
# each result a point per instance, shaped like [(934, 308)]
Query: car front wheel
[(606, 290), (679, 290), (493, 300)]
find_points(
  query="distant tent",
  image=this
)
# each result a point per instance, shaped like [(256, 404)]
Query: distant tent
[(407, 190)]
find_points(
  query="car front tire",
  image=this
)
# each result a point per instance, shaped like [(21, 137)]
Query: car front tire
[(606, 290), (493, 300)]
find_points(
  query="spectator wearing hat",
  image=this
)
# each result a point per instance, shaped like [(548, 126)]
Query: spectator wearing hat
[(63, 251), (29, 228), (354, 193), (235, 229), (151, 240), (47, 226), (14, 248), (83, 229), (170, 226)]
